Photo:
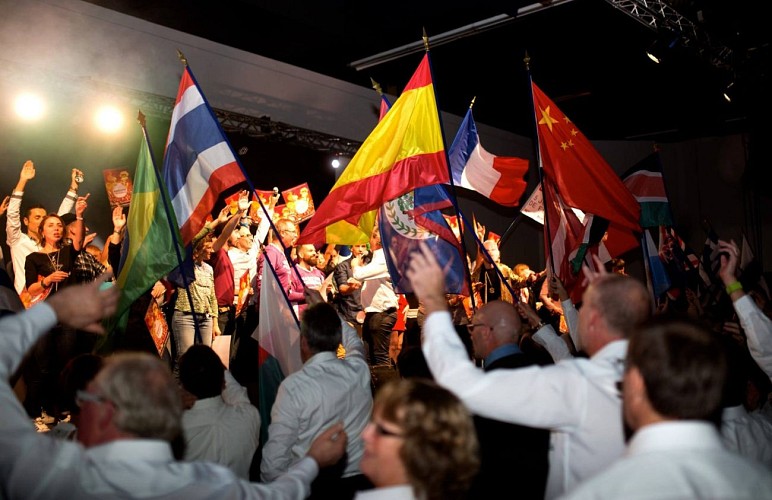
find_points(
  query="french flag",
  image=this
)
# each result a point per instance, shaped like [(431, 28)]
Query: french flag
[(499, 178), (198, 163)]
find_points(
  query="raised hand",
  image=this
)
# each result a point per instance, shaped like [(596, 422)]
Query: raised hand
[(27, 171)]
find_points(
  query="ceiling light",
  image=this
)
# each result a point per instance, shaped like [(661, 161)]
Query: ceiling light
[(661, 47), (108, 119), (29, 107), (730, 92), (335, 162)]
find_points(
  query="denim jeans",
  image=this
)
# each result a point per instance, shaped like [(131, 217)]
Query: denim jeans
[(184, 331)]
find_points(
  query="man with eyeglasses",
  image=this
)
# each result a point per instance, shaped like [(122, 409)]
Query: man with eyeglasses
[(509, 453), (577, 400), (130, 414)]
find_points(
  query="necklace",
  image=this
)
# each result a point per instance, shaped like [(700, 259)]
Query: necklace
[(55, 264), (54, 260)]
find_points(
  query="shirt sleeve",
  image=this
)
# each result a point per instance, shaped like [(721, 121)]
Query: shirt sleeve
[(68, 202), (758, 331), (552, 397), (375, 269), (13, 218), (547, 338), (282, 434), (572, 321)]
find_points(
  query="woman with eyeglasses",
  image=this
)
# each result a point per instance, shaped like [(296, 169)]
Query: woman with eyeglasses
[(420, 444)]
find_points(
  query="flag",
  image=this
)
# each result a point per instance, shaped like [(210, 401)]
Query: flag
[(278, 336), (564, 237), (645, 182), (582, 177), (403, 152), (658, 278), (152, 244), (499, 178), (413, 218), (198, 163)]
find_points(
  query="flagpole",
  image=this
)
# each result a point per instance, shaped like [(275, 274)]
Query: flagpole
[(540, 167), (170, 220), (246, 178), (452, 192), (509, 230)]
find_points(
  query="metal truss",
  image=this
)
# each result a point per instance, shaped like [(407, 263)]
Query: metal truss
[(658, 15)]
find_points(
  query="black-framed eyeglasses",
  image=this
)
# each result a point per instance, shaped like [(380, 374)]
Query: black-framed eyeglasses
[(384, 432), (88, 397)]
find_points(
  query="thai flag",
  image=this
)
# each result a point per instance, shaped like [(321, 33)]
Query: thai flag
[(499, 178), (199, 163)]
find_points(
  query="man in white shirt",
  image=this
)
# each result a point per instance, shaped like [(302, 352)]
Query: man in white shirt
[(577, 400), (129, 414), (378, 300), (20, 243), (674, 378), (222, 426), (325, 390)]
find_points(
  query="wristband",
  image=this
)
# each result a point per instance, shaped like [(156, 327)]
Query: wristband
[(78, 218), (733, 287), (43, 284)]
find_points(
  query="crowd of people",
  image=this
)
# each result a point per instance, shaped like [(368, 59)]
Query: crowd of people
[(512, 391)]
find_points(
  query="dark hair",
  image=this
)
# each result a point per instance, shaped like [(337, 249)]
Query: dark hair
[(440, 448), (201, 372), (43, 223), (684, 368), (32, 207), (320, 325)]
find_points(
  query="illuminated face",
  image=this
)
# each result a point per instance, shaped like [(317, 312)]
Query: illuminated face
[(52, 229), (307, 253), (288, 234), (381, 462), (493, 250), (33, 219), (359, 250)]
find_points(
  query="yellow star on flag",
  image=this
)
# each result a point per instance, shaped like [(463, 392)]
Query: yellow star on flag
[(574, 132), (566, 119), (546, 119), (564, 145)]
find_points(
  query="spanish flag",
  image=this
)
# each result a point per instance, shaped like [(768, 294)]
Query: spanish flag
[(404, 151)]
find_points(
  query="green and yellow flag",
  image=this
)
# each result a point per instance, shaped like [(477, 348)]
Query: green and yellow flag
[(152, 242)]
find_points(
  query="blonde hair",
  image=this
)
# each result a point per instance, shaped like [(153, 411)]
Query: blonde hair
[(440, 448)]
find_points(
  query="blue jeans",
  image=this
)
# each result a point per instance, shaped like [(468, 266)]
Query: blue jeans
[(184, 331)]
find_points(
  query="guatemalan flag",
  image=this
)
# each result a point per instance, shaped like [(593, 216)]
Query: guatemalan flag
[(198, 163), (499, 178)]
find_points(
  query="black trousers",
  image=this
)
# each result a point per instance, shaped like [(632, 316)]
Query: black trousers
[(376, 331)]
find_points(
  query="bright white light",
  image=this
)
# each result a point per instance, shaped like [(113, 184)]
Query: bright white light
[(653, 57), (108, 119), (29, 107), (335, 163)]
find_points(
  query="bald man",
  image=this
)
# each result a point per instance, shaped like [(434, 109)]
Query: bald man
[(510, 454)]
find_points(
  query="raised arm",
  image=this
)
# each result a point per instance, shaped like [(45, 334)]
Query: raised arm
[(72, 195), (757, 325)]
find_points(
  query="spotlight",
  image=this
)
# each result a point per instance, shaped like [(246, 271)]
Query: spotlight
[(659, 50), (335, 163), (108, 119), (29, 107), (730, 92)]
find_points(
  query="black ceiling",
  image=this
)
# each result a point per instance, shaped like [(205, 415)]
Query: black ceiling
[(585, 54)]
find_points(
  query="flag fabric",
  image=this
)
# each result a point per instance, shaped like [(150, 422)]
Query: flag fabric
[(413, 218), (658, 279), (645, 182), (152, 243), (404, 151), (565, 235), (499, 178), (198, 163), (582, 177), (278, 337)]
